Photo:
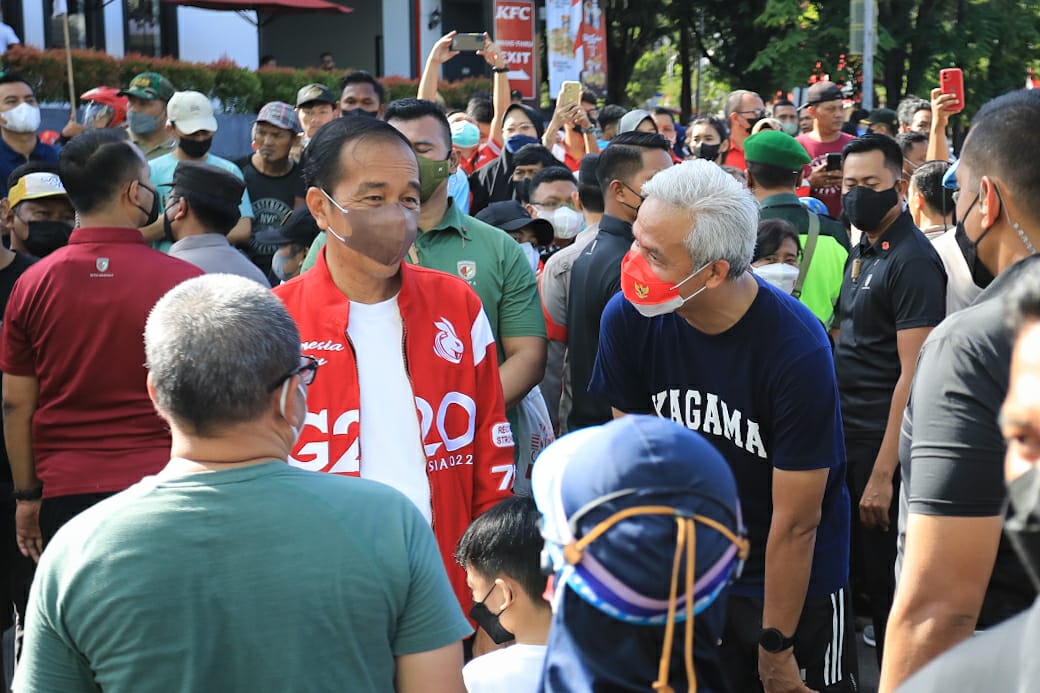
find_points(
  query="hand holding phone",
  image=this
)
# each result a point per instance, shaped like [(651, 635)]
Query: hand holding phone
[(834, 161), (951, 81), (467, 42)]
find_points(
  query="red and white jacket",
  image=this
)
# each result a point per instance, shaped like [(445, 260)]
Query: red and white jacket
[(451, 360)]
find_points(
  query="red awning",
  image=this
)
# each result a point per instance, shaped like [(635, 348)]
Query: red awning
[(280, 6)]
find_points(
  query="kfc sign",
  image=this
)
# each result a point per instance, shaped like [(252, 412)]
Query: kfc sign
[(514, 34), (513, 12)]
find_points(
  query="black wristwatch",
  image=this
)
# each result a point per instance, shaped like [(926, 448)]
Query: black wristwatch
[(504, 68), (772, 640), (28, 495)]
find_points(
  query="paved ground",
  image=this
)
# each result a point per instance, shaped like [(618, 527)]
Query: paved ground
[(868, 669)]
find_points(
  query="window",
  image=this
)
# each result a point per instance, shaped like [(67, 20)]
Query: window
[(150, 27), (86, 25)]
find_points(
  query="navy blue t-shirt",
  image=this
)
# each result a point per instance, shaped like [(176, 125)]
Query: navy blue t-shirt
[(763, 392)]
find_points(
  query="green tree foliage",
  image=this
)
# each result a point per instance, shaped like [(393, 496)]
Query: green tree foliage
[(775, 45)]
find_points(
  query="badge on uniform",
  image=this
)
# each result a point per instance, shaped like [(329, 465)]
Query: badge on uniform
[(101, 263), (467, 269)]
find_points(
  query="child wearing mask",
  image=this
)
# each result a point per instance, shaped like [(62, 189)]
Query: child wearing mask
[(501, 552)]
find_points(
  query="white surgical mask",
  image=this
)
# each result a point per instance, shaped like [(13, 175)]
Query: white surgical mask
[(22, 118), (566, 222), (531, 253), (779, 274)]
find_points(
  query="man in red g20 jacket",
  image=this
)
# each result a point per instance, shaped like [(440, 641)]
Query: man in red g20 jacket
[(412, 396)]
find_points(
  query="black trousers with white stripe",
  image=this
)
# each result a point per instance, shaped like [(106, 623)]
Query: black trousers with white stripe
[(824, 647)]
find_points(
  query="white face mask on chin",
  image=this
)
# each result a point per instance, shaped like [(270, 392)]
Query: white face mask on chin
[(779, 274), (22, 118)]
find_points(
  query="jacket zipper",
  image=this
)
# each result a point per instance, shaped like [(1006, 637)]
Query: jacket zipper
[(422, 446), (357, 375)]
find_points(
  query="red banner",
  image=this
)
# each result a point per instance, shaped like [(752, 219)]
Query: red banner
[(592, 37), (514, 34)]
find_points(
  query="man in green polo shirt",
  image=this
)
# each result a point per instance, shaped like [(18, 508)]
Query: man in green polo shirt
[(487, 258), (149, 93), (774, 167)]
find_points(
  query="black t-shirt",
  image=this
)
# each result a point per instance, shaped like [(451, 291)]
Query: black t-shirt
[(595, 278), (8, 276), (273, 199), (951, 449), (898, 283)]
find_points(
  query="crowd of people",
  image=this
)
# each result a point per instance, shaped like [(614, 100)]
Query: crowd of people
[(493, 399)]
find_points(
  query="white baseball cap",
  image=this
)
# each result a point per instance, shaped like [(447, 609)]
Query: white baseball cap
[(191, 111)]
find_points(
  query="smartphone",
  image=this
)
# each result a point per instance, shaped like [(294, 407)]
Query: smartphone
[(570, 93), (467, 42), (951, 81), (834, 161)]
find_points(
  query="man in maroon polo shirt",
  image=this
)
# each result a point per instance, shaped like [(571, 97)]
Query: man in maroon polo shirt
[(77, 419)]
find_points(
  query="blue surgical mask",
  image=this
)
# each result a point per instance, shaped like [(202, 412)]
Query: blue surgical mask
[(142, 123)]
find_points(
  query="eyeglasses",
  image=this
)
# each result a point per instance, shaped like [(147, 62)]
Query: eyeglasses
[(551, 206), (758, 112), (307, 370)]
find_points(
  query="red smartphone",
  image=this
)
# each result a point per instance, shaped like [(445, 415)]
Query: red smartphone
[(951, 81)]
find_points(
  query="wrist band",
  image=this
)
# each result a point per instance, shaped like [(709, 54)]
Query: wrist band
[(28, 495), (500, 69)]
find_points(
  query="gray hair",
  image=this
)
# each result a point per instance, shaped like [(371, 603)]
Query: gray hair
[(214, 346), (735, 99), (723, 213)]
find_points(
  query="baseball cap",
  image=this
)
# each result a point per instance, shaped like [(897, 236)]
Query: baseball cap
[(191, 111), (314, 93), (615, 501), (883, 116), (776, 149), (35, 186), (279, 114), (149, 85), (511, 216), (823, 91), (631, 120), (299, 228)]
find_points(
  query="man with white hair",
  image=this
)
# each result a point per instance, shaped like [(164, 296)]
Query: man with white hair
[(208, 564), (686, 289)]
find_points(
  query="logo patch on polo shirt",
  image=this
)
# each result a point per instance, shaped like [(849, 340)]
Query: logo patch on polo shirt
[(447, 344), (101, 263), (467, 269)]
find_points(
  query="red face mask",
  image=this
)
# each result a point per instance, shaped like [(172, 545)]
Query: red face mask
[(651, 296)]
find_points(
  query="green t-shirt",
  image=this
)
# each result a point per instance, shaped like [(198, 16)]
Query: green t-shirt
[(264, 578), (827, 266), (490, 261)]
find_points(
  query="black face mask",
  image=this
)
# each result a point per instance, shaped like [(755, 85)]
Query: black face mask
[(360, 112), (866, 208), (980, 274), (167, 228), (641, 198), (751, 124), (489, 621), (153, 213), (47, 236), (1022, 522), (703, 150), (195, 149)]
